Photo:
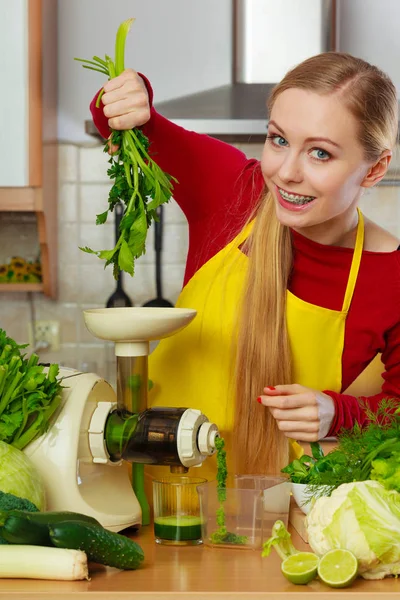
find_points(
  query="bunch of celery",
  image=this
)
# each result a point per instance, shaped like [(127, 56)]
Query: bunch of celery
[(28, 395), (139, 183)]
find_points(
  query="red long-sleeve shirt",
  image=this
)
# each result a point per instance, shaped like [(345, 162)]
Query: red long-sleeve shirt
[(218, 187)]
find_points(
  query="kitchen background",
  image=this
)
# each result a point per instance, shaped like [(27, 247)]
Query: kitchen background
[(184, 47)]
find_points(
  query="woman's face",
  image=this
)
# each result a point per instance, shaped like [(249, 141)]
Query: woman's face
[(312, 161)]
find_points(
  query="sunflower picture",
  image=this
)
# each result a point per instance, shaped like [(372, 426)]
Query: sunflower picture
[(19, 270)]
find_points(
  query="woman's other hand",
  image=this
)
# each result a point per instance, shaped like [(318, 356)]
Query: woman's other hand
[(301, 413), (126, 101)]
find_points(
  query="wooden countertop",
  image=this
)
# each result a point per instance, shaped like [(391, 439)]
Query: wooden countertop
[(194, 572)]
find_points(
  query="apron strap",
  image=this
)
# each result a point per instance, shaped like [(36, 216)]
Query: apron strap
[(355, 263)]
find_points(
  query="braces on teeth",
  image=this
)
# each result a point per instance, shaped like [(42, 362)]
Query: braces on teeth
[(296, 199)]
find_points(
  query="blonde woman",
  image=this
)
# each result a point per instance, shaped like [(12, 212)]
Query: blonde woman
[(298, 295)]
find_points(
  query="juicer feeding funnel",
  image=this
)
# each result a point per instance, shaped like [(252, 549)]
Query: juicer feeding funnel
[(133, 328)]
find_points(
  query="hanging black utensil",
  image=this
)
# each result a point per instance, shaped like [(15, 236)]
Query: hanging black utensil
[(158, 238), (119, 297)]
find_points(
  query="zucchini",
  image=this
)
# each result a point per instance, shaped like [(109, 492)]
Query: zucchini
[(18, 530), (24, 527), (100, 545)]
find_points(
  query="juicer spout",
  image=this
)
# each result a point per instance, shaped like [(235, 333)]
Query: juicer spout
[(178, 469)]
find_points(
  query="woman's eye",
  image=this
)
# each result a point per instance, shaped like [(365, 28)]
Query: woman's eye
[(278, 140), (320, 154)]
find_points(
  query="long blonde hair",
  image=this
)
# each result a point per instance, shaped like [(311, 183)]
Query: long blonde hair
[(263, 353)]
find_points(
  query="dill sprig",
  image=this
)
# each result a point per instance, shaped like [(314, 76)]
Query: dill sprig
[(357, 451)]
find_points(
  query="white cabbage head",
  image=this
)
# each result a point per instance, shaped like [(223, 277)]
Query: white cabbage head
[(19, 476), (362, 517)]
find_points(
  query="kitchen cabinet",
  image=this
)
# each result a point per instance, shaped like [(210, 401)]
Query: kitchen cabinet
[(28, 112)]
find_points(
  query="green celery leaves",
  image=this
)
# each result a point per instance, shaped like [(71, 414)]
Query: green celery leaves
[(138, 182)]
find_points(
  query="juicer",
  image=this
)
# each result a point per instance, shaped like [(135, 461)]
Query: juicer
[(83, 456)]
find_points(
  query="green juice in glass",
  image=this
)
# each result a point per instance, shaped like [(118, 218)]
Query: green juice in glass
[(184, 528)]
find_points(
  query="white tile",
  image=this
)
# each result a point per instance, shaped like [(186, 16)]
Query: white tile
[(93, 165), (68, 283), (173, 214), (141, 287), (67, 203), (175, 244), (67, 356), (96, 284), (14, 317), (66, 315), (96, 237), (173, 281), (92, 357), (93, 200), (68, 244), (68, 162)]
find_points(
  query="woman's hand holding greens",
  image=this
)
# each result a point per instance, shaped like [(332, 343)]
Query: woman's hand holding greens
[(126, 101)]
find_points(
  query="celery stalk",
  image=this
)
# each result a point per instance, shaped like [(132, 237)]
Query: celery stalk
[(120, 40)]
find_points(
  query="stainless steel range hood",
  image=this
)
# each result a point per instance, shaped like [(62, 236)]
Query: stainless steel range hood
[(269, 37)]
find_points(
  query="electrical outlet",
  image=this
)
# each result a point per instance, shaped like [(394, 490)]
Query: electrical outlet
[(47, 335)]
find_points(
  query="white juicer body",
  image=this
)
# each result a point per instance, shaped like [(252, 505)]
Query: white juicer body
[(73, 481)]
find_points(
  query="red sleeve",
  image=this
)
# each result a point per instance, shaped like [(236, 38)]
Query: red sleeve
[(207, 169), (350, 410)]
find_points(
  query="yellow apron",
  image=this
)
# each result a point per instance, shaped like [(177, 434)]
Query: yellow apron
[(194, 367)]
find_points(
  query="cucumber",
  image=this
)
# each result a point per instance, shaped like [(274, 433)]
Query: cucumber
[(54, 517), (24, 527), (100, 545)]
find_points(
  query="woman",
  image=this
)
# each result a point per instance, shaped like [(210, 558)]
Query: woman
[(296, 292)]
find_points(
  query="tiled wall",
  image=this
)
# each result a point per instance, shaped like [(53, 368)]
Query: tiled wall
[(83, 282)]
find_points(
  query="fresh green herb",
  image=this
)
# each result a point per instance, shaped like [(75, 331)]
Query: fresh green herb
[(222, 535), (139, 183), (28, 395), (361, 454)]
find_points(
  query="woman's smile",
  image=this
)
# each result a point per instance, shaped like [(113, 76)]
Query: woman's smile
[(292, 201)]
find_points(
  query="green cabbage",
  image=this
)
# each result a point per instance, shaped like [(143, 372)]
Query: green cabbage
[(18, 476), (362, 517)]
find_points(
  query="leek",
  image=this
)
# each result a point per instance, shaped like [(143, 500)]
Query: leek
[(39, 562)]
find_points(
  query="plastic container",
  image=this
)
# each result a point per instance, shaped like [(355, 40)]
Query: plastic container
[(243, 511), (177, 519), (251, 508), (276, 497)]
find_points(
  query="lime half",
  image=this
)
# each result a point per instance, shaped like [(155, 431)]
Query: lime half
[(300, 568), (338, 568)]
